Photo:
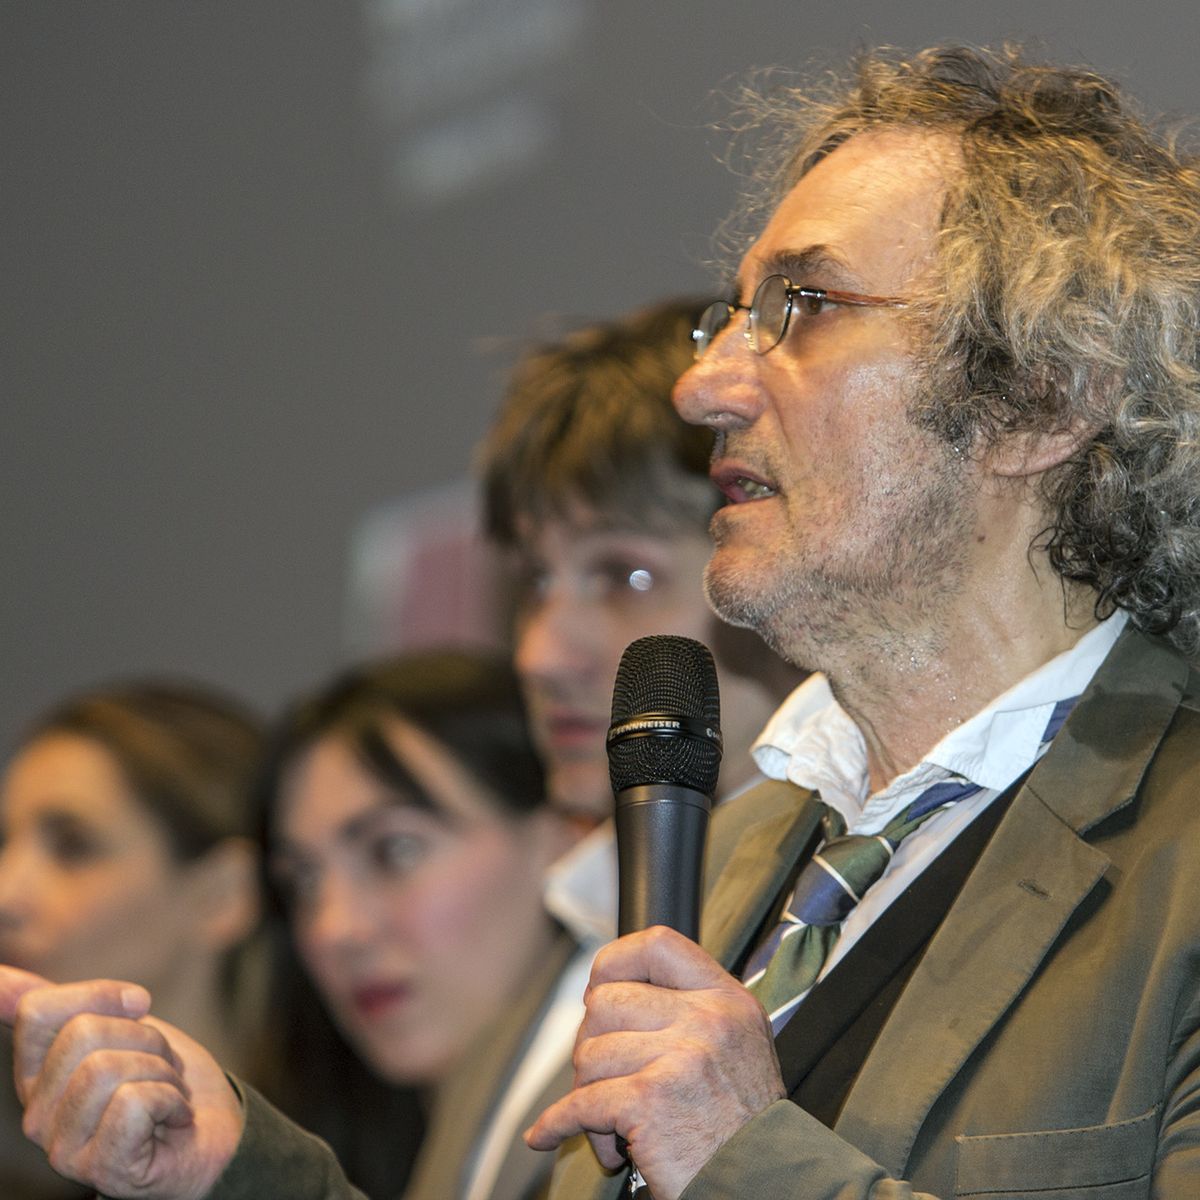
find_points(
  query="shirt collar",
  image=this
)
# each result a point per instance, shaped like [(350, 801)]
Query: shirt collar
[(580, 888), (812, 741)]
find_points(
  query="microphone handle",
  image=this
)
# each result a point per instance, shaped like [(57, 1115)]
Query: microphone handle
[(661, 830)]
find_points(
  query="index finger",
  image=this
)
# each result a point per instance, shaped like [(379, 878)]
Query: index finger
[(42, 1010), (660, 956), (14, 983)]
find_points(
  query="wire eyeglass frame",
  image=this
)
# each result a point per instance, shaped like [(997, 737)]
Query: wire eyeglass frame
[(770, 310)]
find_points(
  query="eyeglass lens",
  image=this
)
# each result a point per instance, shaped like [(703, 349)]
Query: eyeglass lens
[(769, 313), (712, 320)]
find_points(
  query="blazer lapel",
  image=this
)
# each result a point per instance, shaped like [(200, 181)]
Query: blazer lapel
[(578, 1174), (757, 869), (1027, 883), (1031, 877)]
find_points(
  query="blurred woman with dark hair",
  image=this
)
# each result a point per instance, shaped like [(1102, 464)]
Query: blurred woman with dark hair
[(408, 836)]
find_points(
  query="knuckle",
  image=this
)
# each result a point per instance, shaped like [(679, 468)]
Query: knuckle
[(93, 1071), (744, 1000), (57, 1155), (125, 1102), (602, 1006), (106, 1069), (642, 1090), (657, 937), (28, 1010), (603, 957), (585, 1060), (600, 995), (31, 1125), (25, 1006), (82, 1029), (153, 1040)]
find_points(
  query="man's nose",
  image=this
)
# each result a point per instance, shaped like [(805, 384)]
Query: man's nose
[(721, 390)]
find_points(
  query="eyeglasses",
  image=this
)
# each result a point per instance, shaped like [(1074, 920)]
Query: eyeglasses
[(771, 309)]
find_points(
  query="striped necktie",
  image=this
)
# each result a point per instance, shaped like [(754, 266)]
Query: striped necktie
[(783, 969)]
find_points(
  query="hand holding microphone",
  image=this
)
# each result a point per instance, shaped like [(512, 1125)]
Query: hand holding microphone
[(664, 754), (673, 1050)]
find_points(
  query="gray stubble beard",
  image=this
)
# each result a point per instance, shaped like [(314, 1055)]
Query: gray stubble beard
[(807, 613)]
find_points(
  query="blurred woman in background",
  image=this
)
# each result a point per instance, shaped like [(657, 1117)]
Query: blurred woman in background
[(408, 837), (128, 851)]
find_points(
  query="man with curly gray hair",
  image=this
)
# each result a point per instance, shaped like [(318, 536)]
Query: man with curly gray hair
[(956, 951), (952, 946)]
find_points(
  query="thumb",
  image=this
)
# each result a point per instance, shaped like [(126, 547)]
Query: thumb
[(14, 983)]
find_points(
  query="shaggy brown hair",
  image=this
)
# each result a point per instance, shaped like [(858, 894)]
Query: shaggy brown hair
[(1066, 295), (589, 420)]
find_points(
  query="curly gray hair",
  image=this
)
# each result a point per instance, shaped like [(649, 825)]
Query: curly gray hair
[(1066, 296)]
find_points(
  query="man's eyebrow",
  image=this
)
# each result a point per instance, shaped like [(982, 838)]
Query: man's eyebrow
[(813, 265)]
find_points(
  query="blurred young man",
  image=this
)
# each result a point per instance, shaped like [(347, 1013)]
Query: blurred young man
[(602, 496)]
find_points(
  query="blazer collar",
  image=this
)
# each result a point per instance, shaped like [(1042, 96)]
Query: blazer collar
[(1113, 732), (463, 1102)]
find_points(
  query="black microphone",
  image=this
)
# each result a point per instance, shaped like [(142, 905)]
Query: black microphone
[(664, 753)]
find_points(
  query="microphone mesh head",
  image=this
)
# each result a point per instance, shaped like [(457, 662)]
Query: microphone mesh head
[(675, 676)]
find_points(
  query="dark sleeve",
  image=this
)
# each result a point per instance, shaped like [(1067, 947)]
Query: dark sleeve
[(277, 1160)]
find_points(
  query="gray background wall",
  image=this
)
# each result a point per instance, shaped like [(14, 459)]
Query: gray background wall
[(264, 265)]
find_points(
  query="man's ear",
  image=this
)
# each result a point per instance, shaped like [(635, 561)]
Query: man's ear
[(1026, 453), (225, 890)]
